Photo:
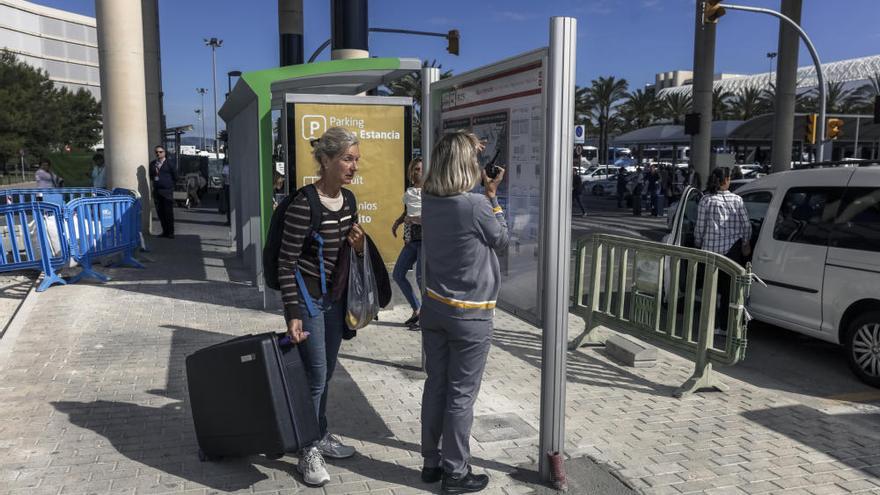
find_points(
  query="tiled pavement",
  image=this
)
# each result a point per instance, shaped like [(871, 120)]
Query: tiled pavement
[(93, 399)]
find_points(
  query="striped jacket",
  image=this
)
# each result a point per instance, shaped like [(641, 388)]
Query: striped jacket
[(460, 235), (334, 229)]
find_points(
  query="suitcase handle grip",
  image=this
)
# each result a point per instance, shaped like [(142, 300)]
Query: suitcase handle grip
[(284, 339)]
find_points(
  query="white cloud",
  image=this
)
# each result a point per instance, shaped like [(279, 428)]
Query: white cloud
[(513, 16)]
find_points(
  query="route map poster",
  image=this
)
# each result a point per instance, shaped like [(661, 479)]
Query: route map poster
[(504, 106)]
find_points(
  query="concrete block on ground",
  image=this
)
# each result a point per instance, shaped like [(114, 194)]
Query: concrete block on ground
[(630, 351)]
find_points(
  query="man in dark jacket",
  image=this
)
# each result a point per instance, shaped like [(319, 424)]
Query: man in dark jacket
[(163, 175), (621, 186)]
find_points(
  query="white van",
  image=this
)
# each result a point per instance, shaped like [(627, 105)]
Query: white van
[(816, 246)]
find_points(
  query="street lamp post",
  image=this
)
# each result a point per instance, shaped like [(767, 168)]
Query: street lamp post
[(202, 92), (214, 43)]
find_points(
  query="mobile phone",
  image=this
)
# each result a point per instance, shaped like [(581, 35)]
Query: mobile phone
[(493, 170)]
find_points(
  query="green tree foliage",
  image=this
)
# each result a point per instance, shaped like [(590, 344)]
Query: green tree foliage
[(748, 103), (675, 106), (411, 85), (639, 109), (604, 94), (39, 118)]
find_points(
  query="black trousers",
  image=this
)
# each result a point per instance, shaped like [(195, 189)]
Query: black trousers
[(165, 212)]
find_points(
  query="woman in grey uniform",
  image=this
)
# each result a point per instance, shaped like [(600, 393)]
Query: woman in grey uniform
[(461, 231)]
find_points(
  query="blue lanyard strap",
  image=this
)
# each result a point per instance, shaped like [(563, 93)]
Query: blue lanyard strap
[(320, 240)]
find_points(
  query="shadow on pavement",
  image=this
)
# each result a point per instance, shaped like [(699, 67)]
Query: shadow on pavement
[(163, 437), (581, 367), (852, 439)]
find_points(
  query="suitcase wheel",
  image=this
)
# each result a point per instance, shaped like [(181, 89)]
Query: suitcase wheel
[(275, 456), (208, 458)]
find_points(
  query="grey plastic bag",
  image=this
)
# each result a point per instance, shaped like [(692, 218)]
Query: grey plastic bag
[(363, 295)]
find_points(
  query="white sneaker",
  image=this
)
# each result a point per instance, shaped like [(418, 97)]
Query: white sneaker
[(312, 468), (330, 446)]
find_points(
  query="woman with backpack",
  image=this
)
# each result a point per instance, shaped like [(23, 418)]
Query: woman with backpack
[(462, 232), (411, 218), (306, 261)]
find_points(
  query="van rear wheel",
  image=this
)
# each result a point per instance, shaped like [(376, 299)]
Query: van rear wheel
[(863, 347)]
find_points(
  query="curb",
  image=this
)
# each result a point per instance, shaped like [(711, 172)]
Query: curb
[(10, 333)]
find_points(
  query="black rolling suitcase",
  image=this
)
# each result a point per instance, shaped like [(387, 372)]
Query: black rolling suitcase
[(250, 395)]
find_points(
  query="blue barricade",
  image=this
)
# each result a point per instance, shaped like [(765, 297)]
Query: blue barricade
[(102, 226), (32, 237), (57, 195)]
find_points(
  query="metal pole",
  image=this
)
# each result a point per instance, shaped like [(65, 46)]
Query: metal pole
[(202, 92), (704, 66), (430, 75), (856, 146), (214, 78), (786, 89), (820, 125), (556, 219)]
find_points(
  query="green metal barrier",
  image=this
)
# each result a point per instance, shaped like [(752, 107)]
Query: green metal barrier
[(635, 286)]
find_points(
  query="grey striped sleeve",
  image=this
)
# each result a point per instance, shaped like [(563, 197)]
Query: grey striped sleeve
[(296, 226)]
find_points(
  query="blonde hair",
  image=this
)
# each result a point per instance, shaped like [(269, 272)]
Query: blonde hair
[(455, 167), (411, 167), (334, 142)]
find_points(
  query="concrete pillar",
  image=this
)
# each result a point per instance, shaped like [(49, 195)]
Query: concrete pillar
[(704, 65), (290, 32), (349, 29), (123, 101), (786, 87), (153, 71)]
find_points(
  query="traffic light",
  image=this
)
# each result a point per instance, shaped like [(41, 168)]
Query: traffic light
[(712, 11), (452, 39), (810, 134), (834, 128)]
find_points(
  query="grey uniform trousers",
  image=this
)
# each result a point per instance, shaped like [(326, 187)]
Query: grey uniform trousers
[(455, 357)]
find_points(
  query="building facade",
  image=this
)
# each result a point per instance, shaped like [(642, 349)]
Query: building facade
[(63, 44)]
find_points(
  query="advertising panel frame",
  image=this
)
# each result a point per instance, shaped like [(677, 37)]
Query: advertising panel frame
[(507, 67), (288, 113)]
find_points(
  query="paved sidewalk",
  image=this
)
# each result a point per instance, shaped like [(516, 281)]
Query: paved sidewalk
[(93, 399)]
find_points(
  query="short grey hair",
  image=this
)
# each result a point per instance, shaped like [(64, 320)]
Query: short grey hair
[(455, 166), (334, 142)]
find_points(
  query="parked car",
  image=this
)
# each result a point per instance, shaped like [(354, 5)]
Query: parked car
[(816, 246), (599, 172)]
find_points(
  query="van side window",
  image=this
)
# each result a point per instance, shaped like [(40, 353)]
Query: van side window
[(757, 204), (807, 215), (857, 225)]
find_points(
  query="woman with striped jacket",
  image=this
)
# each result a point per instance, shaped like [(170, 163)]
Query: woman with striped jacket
[(313, 321)]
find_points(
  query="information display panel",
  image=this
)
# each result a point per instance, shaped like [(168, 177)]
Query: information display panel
[(504, 104), (384, 131)]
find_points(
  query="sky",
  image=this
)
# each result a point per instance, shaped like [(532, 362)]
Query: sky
[(631, 39)]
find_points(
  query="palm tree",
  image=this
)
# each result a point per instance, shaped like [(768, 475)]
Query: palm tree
[(604, 93), (837, 98), (747, 104), (411, 85), (867, 92), (675, 105), (639, 108), (720, 97)]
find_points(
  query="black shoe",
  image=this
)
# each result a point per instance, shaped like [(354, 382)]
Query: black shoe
[(413, 320), (432, 475), (466, 483), (170, 236)]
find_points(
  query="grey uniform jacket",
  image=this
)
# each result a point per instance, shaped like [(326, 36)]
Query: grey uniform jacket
[(460, 235)]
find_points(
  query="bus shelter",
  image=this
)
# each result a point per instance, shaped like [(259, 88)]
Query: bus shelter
[(272, 114)]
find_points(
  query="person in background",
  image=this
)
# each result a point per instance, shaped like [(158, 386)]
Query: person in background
[(411, 218), (737, 173), (227, 207), (99, 172), (577, 190), (723, 227), (45, 177), (462, 232), (315, 323), (638, 186), (621, 186), (163, 174)]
